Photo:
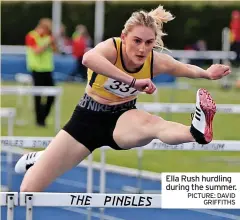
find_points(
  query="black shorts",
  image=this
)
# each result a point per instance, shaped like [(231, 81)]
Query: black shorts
[(92, 124)]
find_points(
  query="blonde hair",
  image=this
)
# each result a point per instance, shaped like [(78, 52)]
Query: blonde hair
[(153, 19), (46, 23)]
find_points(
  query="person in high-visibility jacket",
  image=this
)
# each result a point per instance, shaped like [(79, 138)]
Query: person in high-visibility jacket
[(39, 61)]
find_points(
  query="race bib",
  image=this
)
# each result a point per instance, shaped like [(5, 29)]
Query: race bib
[(119, 88)]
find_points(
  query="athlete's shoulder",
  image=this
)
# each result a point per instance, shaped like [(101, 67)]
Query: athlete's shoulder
[(116, 39), (111, 42), (162, 62), (106, 48)]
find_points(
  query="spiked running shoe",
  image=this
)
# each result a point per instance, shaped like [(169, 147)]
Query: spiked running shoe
[(27, 161), (201, 128)]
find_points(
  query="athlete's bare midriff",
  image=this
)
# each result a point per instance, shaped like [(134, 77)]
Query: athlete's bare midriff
[(93, 94)]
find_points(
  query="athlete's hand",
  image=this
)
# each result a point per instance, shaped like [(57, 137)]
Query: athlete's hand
[(218, 71), (145, 85)]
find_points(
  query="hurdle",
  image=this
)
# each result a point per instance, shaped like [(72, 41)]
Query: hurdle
[(35, 142), (26, 199), (10, 114), (37, 90), (23, 79), (86, 200)]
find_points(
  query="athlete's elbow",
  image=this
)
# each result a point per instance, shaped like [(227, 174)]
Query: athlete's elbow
[(87, 57)]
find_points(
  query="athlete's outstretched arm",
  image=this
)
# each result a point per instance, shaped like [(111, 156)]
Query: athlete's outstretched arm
[(101, 58), (164, 63)]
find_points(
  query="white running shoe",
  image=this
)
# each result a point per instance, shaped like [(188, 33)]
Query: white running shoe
[(26, 161), (201, 128)]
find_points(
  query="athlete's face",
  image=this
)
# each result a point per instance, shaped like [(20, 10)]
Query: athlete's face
[(139, 42)]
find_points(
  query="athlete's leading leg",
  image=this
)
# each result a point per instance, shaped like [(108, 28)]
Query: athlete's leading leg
[(137, 128), (63, 153)]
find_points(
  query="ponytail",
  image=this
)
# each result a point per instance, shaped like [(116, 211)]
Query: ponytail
[(160, 16)]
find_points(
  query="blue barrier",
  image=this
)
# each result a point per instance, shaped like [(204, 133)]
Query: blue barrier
[(12, 64), (64, 65), (164, 78)]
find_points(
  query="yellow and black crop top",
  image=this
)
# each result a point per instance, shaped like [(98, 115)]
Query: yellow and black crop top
[(112, 90)]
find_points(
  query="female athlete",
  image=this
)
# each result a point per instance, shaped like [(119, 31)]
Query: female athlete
[(118, 70)]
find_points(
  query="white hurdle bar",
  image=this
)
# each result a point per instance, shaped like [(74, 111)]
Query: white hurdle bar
[(10, 200), (90, 200), (184, 107), (42, 142), (87, 200), (37, 90)]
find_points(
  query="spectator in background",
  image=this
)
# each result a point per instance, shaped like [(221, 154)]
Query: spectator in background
[(235, 35), (78, 31), (39, 57), (200, 45), (80, 44), (64, 43)]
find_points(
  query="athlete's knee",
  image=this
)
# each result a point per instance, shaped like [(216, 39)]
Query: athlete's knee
[(26, 187), (30, 187), (118, 134), (23, 188)]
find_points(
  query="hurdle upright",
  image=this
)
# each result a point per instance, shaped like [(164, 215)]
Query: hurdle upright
[(10, 200)]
